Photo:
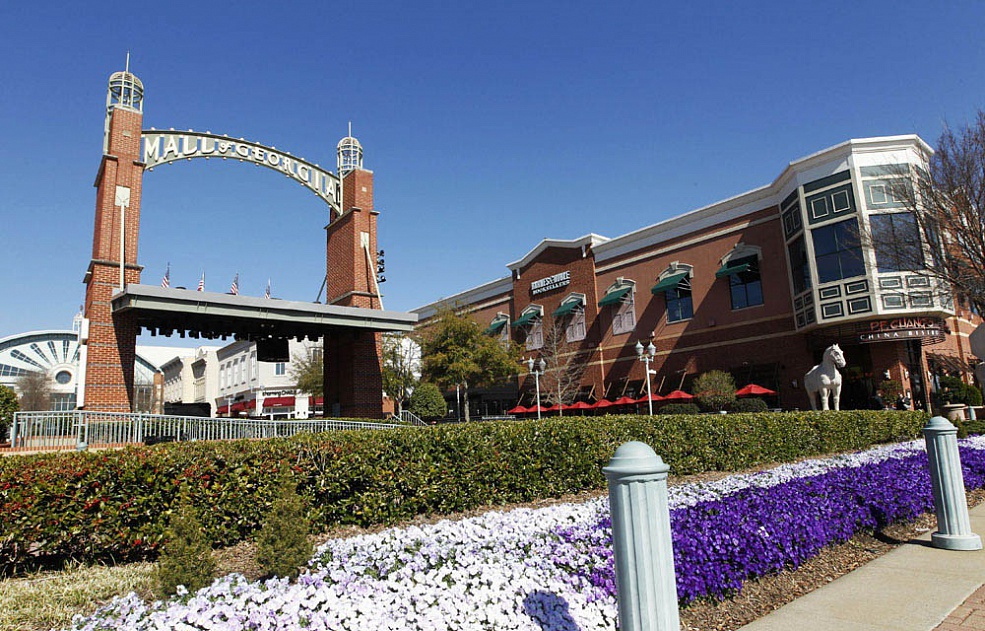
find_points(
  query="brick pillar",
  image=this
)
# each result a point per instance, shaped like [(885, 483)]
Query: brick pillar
[(112, 342), (353, 374)]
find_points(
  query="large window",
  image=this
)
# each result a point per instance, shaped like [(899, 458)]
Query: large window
[(896, 241), (619, 297), (535, 334), (679, 304), (837, 251), (745, 283), (575, 331), (799, 270)]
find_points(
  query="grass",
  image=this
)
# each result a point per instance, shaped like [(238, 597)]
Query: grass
[(46, 600)]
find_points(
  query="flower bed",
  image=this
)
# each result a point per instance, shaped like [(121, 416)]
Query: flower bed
[(551, 568)]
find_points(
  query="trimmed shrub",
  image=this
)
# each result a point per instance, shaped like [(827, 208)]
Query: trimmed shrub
[(113, 505), (750, 404), (714, 390), (186, 558), (283, 547), (679, 408), (427, 402), (954, 390)]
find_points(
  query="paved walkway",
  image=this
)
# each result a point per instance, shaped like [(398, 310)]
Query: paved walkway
[(913, 588)]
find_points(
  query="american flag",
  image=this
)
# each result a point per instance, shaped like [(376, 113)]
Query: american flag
[(266, 294), (201, 282), (234, 288), (166, 281)]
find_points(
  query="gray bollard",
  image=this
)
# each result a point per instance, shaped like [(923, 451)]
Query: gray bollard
[(950, 504), (646, 588)]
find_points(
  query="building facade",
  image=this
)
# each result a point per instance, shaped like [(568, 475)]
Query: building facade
[(247, 387), (757, 285)]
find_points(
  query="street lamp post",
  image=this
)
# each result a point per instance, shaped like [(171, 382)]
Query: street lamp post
[(646, 358), (537, 369)]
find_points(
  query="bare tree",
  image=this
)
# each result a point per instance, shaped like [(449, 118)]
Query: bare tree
[(561, 380), (941, 231), (401, 367), (35, 391)]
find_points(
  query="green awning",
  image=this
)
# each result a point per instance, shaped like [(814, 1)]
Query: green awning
[(525, 319), (729, 269), (669, 283), (568, 307), (615, 296), (496, 326)]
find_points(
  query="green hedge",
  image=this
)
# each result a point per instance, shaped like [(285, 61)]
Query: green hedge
[(114, 505)]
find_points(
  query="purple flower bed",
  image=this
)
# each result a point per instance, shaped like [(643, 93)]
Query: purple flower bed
[(720, 544)]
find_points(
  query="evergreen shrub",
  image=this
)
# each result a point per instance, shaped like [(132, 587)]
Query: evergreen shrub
[(749, 404), (113, 505), (186, 558), (282, 544), (679, 408)]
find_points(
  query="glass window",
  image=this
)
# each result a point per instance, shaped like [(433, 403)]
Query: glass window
[(799, 269), (624, 315), (535, 334), (575, 331), (837, 251), (896, 241), (679, 305), (279, 368), (746, 288)]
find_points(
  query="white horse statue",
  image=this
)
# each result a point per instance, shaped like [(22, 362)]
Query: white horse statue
[(825, 378)]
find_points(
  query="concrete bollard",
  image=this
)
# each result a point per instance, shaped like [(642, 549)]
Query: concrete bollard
[(950, 504), (646, 587)]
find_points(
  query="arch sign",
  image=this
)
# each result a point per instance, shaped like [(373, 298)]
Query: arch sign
[(162, 147)]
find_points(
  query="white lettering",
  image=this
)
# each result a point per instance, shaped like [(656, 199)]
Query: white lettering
[(152, 149), (171, 147), (206, 147), (258, 154), (190, 145), (304, 174), (242, 150)]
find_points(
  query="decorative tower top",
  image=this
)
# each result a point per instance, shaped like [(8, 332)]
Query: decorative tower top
[(125, 92), (350, 154)]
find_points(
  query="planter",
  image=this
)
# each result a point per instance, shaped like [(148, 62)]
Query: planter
[(955, 411)]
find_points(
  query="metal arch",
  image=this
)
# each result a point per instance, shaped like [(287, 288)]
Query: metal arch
[(162, 147)]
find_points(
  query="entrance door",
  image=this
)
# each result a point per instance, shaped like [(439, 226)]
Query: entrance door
[(914, 364)]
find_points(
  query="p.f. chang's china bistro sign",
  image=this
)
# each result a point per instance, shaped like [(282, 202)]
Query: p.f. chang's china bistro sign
[(903, 329), (161, 147), (550, 283)]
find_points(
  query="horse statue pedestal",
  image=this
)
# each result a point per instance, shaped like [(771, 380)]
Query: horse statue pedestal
[(824, 379)]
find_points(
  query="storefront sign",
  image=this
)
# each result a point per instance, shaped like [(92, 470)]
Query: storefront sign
[(550, 283), (161, 147), (903, 329)]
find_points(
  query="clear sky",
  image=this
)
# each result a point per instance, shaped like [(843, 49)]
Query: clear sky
[(489, 126)]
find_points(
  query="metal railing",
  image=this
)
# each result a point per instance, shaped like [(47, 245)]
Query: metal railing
[(409, 417), (40, 431)]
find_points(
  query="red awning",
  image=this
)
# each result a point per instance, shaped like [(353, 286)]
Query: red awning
[(222, 409), (252, 403), (239, 406), (278, 402), (752, 390), (552, 408), (316, 400)]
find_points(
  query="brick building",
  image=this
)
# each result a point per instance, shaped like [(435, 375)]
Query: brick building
[(758, 285)]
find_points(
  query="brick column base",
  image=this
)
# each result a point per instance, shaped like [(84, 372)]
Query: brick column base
[(353, 377)]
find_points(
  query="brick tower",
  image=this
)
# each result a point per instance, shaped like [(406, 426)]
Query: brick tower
[(353, 378), (109, 344)]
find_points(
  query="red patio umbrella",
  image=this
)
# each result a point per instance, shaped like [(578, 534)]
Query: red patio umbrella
[(624, 401), (678, 395), (602, 403), (752, 390), (655, 397), (552, 408), (578, 405), (519, 409)]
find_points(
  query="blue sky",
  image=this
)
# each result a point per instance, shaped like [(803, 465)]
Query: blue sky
[(489, 126)]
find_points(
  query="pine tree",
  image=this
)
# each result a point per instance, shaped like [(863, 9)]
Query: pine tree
[(283, 546), (186, 558)]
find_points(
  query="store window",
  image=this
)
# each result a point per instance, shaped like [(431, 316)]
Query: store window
[(572, 312), (680, 307), (531, 320), (619, 297), (896, 241), (575, 331), (279, 369), (745, 282), (838, 251)]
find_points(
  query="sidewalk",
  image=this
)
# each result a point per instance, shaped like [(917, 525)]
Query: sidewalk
[(913, 588)]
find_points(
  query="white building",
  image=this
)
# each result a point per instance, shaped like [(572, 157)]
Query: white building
[(247, 387), (192, 378)]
